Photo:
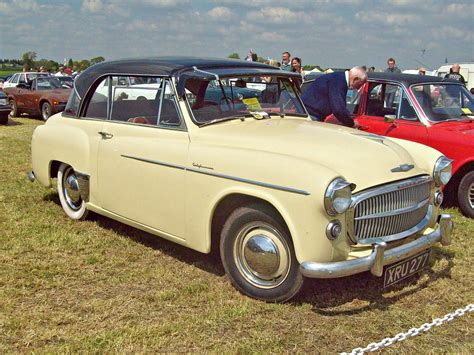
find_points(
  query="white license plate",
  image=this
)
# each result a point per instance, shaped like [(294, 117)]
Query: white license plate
[(405, 268)]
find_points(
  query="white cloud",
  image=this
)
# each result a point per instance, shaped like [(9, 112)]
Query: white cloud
[(161, 3), (92, 5), (220, 13), (276, 15), (388, 18), (272, 37)]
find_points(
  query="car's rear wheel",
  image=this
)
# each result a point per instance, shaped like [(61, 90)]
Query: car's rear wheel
[(13, 108), (466, 194), (46, 110), (69, 195), (258, 254)]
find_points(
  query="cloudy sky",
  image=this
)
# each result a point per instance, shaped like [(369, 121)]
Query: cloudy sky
[(338, 33)]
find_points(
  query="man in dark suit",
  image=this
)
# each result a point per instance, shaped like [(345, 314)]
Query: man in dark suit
[(327, 95)]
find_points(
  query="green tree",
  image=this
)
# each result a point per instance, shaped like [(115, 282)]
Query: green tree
[(234, 55), (254, 57), (70, 63), (83, 64), (28, 60), (96, 60)]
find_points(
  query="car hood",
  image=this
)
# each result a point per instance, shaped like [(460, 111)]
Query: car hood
[(362, 158), (460, 127)]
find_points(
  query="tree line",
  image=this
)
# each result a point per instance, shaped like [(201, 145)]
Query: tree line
[(29, 61)]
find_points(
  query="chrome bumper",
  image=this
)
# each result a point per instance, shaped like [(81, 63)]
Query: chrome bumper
[(380, 257)]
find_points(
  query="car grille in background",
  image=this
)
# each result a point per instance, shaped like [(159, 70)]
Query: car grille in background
[(386, 213)]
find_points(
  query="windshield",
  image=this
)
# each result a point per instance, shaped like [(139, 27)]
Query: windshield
[(260, 97), (442, 102), (48, 83)]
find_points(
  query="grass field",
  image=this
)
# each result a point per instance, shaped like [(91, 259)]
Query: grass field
[(101, 286)]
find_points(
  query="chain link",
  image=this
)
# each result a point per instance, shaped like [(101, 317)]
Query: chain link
[(413, 331)]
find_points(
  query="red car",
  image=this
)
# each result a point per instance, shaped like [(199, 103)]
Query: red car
[(425, 109), (43, 95)]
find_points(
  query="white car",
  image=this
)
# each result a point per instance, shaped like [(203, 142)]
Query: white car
[(22, 78)]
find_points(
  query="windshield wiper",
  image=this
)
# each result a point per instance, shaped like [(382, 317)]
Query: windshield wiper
[(224, 119), (258, 115)]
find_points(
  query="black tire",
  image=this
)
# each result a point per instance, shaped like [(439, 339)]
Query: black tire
[(13, 109), (46, 110), (3, 119), (68, 191), (249, 239), (466, 194)]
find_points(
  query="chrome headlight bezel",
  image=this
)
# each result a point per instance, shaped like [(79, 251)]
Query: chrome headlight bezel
[(442, 171), (338, 196)]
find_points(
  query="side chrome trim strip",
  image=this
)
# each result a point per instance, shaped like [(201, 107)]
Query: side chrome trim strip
[(156, 162), (222, 176)]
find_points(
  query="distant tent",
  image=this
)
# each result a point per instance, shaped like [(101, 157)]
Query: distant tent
[(328, 71)]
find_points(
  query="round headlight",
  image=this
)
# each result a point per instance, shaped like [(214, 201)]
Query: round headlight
[(442, 171), (337, 198)]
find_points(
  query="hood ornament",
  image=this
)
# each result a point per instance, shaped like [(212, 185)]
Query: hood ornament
[(402, 168)]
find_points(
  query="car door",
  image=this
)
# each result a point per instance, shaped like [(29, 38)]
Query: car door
[(29, 97), (142, 159), (388, 111)]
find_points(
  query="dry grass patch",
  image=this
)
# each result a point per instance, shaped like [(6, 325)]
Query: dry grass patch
[(101, 286)]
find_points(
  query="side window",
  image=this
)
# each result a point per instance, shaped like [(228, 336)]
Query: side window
[(384, 99), (352, 100), (97, 107), (135, 99), (407, 112), (22, 79), (169, 115), (72, 105), (375, 101), (15, 78)]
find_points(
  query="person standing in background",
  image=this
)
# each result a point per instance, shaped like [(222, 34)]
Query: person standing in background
[(392, 68), (285, 61), (454, 74)]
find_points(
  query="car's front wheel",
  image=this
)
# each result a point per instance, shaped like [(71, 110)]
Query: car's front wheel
[(258, 254), (466, 194), (13, 108), (46, 110), (69, 194)]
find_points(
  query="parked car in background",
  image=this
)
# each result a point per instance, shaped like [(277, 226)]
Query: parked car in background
[(4, 108), (22, 78), (278, 196), (66, 81), (467, 71), (45, 95), (429, 110)]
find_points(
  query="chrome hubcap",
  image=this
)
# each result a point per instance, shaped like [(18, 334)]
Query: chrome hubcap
[(471, 195), (262, 255), (71, 189), (46, 111)]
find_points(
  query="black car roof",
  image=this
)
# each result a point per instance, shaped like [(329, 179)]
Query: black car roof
[(408, 79), (169, 66)]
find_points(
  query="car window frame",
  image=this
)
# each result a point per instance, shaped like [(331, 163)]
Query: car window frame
[(84, 103)]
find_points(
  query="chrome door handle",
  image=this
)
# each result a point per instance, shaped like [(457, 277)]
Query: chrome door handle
[(105, 135)]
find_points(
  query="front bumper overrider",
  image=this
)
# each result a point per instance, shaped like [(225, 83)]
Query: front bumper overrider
[(380, 256)]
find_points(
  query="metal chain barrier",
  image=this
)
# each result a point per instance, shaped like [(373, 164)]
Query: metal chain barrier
[(412, 332)]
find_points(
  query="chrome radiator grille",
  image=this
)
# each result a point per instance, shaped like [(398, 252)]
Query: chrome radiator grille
[(391, 212)]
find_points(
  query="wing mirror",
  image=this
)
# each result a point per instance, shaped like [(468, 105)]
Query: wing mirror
[(389, 118)]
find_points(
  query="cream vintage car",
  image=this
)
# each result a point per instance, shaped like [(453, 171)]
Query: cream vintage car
[(216, 166)]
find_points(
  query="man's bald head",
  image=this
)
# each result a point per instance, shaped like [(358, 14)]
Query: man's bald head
[(357, 77)]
